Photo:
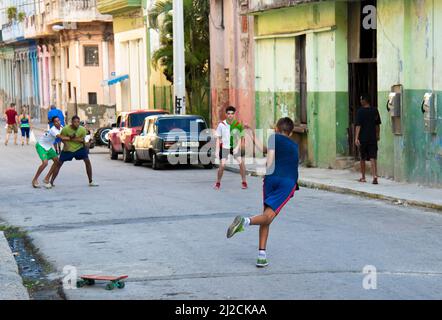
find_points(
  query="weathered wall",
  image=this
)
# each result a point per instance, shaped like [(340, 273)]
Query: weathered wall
[(231, 50), (325, 26), (409, 53), (103, 115)]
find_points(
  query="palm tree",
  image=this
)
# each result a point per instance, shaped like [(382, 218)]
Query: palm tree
[(196, 47)]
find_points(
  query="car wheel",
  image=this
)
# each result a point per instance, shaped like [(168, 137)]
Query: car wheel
[(155, 164), (103, 137), (112, 153), (137, 162), (127, 155)]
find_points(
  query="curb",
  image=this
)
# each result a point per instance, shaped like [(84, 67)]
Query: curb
[(343, 190), (11, 285)]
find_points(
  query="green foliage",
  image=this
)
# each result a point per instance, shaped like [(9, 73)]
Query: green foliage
[(196, 46), (11, 13), (21, 16)]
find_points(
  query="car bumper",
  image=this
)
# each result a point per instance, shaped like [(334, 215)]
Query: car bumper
[(189, 154)]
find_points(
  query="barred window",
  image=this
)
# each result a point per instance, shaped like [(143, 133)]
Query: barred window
[(91, 56)]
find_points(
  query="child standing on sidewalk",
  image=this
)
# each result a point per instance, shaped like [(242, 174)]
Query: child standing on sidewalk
[(280, 184)]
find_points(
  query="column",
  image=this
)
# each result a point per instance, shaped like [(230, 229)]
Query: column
[(105, 50)]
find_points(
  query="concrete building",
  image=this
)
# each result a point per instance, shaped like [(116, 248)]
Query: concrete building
[(63, 51), (313, 59), (137, 83)]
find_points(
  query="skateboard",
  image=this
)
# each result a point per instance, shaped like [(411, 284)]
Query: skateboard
[(113, 282)]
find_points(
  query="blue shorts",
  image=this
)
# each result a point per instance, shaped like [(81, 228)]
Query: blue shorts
[(81, 154), (277, 192)]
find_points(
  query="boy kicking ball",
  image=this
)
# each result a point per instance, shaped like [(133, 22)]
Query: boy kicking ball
[(280, 184)]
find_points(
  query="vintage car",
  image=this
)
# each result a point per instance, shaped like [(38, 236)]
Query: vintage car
[(175, 139), (128, 126)]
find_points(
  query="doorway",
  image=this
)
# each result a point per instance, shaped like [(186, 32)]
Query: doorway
[(362, 69)]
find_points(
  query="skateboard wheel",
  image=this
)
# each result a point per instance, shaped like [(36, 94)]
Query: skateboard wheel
[(120, 284), (90, 282), (110, 286), (80, 283)]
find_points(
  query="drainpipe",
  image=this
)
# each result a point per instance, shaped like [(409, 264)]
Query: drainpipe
[(146, 10)]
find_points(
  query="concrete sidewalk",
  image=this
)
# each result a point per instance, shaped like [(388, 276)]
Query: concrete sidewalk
[(11, 284), (346, 181)]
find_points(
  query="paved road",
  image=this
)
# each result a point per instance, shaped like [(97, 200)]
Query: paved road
[(166, 229)]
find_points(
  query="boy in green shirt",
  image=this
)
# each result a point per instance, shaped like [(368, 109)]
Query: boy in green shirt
[(76, 148), (230, 138)]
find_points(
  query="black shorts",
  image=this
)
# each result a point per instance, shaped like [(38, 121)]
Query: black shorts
[(81, 154), (224, 153), (368, 151)]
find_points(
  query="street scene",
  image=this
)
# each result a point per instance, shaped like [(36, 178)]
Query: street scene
[(220, 150)]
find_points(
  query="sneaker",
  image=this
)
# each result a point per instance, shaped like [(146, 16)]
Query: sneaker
[(236, 226), (36, 185), (48, 186), (93, 184), (217, 186), (262, 262), (244, 185)]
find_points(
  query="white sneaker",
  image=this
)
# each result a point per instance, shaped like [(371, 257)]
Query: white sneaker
[(93, 184), (48, 186)]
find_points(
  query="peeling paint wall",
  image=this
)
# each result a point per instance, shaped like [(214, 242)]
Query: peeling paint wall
[(231, 61), (410, 54), (325, 26)]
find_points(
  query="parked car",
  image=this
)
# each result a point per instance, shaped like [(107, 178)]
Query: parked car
[(128, 126), (184, 136)]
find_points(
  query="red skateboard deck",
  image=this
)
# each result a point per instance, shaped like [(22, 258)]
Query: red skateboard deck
[(113, 281), (104, 278)]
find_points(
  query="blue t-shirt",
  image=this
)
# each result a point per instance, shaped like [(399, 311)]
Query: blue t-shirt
[(286, 157), (55, 113)]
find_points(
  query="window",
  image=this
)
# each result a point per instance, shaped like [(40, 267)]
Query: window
[(179, 124), (69, 91), (92, 97), (91, 56), (67, 57), (301, 76), (244, 24)]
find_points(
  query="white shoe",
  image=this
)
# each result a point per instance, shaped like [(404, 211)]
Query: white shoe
[(93, 184), (48, 186)]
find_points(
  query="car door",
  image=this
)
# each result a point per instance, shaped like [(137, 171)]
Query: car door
[(148, 137), (113, 134), (124, 131), (139, 140)]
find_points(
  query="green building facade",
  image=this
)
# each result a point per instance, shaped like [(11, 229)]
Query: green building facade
[(313, 61)]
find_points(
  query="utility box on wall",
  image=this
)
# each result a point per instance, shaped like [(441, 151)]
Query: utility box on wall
[(394, 108), (429, 109)]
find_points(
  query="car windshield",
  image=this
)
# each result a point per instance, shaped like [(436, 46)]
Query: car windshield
[(137, 119), (186, 125)]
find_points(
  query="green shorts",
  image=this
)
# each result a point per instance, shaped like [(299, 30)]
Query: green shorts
[(45, 154)]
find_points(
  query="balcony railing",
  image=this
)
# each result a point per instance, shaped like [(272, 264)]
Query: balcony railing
[(13, 31), (259, 5), (117, 6), (73, 11), (35, 26)]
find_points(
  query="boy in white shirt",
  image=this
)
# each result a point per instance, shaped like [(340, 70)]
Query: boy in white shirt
[(46, 152)]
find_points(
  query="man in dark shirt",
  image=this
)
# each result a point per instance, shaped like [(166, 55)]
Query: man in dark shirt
[(367, 136)]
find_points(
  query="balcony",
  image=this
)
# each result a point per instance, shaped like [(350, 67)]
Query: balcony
[(13, 31), (59, 11), (117, 6), (35, 26), (262, 5)]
